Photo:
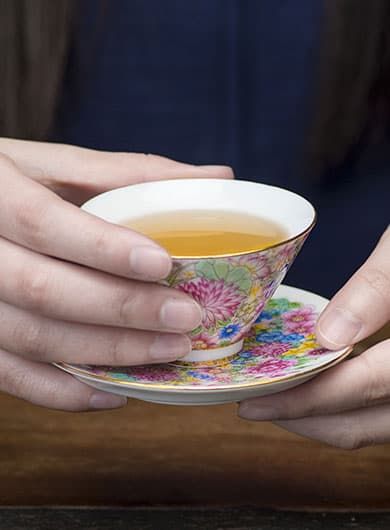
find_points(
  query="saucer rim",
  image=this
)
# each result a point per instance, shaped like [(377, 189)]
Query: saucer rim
[(156, 387), (204, 390)]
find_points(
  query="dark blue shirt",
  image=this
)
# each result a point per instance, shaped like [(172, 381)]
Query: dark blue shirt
[(231, 82)]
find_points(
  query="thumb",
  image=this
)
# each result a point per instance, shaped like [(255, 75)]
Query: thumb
[(362, 306)]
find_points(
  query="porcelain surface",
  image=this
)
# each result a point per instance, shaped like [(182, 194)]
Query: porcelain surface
[(233, 289), (280, 351)]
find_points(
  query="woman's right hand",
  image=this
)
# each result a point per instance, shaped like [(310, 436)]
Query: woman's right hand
[(73, 287)]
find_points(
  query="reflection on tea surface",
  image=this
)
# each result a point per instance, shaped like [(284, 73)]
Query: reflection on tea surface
[(208, 233)]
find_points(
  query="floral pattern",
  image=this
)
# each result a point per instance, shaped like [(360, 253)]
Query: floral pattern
[(218, 299), (280, 344), (232, 291), (298, 320)]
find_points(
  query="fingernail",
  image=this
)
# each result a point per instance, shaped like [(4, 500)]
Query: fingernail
[(104, 400), (339, 327), (150, 262), (170, 347), (250, 411), (181, 316)]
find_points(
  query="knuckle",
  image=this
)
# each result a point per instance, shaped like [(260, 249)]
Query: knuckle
[(103, 242), (33, 286), (16, 382), (30, 221), (31, 338), (377, 281), (138, 306), (126, 301), (116, 351)]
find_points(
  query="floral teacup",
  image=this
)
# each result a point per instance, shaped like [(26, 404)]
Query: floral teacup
[(231, 289)]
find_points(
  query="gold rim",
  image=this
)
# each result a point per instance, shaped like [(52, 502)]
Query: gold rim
[(153, 387)]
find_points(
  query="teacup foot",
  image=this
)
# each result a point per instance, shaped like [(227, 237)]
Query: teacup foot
[(213, 354)]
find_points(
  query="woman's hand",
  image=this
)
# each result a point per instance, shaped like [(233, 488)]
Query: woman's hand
[(73, 287), (347, 406)]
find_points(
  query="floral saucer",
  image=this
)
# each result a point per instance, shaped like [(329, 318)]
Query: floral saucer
[(280, 352)]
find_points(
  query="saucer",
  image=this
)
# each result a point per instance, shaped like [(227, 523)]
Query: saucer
[(280, 352)]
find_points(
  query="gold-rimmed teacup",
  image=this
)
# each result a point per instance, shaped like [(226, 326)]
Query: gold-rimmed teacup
[(231, 289)]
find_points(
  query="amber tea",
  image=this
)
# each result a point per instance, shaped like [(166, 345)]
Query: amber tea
[(197, 233)]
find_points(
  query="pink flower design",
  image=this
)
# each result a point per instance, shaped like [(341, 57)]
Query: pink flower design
[(258, 263), (317, 352), (271, 367), (283, 256), (218, 299), (248, 312), (203, 341), (299, 320), (288, 251), (152, 373), (274, 350)]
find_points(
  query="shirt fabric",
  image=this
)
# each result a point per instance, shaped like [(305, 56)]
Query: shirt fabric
[(228, 82)]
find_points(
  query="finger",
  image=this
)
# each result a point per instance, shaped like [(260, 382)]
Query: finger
[(362, 306), (42, 339), (65, 291), (47, 386), (36, 218), (360, 382), (348, 430), (77, 174)]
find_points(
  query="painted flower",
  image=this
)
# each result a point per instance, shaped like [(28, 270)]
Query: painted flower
[(317, 352), (300, 351), (270, 350), (257, 265), (152, 373), (300, 320), (285, 255), (261, 327), (200, 374), (188, 275), (277, 306), (266, 315), (241, 357), (203, 341), (305, 347), (256, 291), (278, 336), (229, 331), (218, 299), (248, 311), (272, 368)]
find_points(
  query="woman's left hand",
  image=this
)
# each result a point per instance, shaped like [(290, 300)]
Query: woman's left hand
[(347, 406)]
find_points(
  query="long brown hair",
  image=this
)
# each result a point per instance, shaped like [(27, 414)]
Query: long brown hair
[(354, 73), (354, 78), (34, 42)]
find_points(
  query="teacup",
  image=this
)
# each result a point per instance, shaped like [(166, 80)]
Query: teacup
[(231, 289)]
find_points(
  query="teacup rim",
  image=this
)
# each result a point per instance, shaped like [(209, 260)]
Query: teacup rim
[(230, 254)]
